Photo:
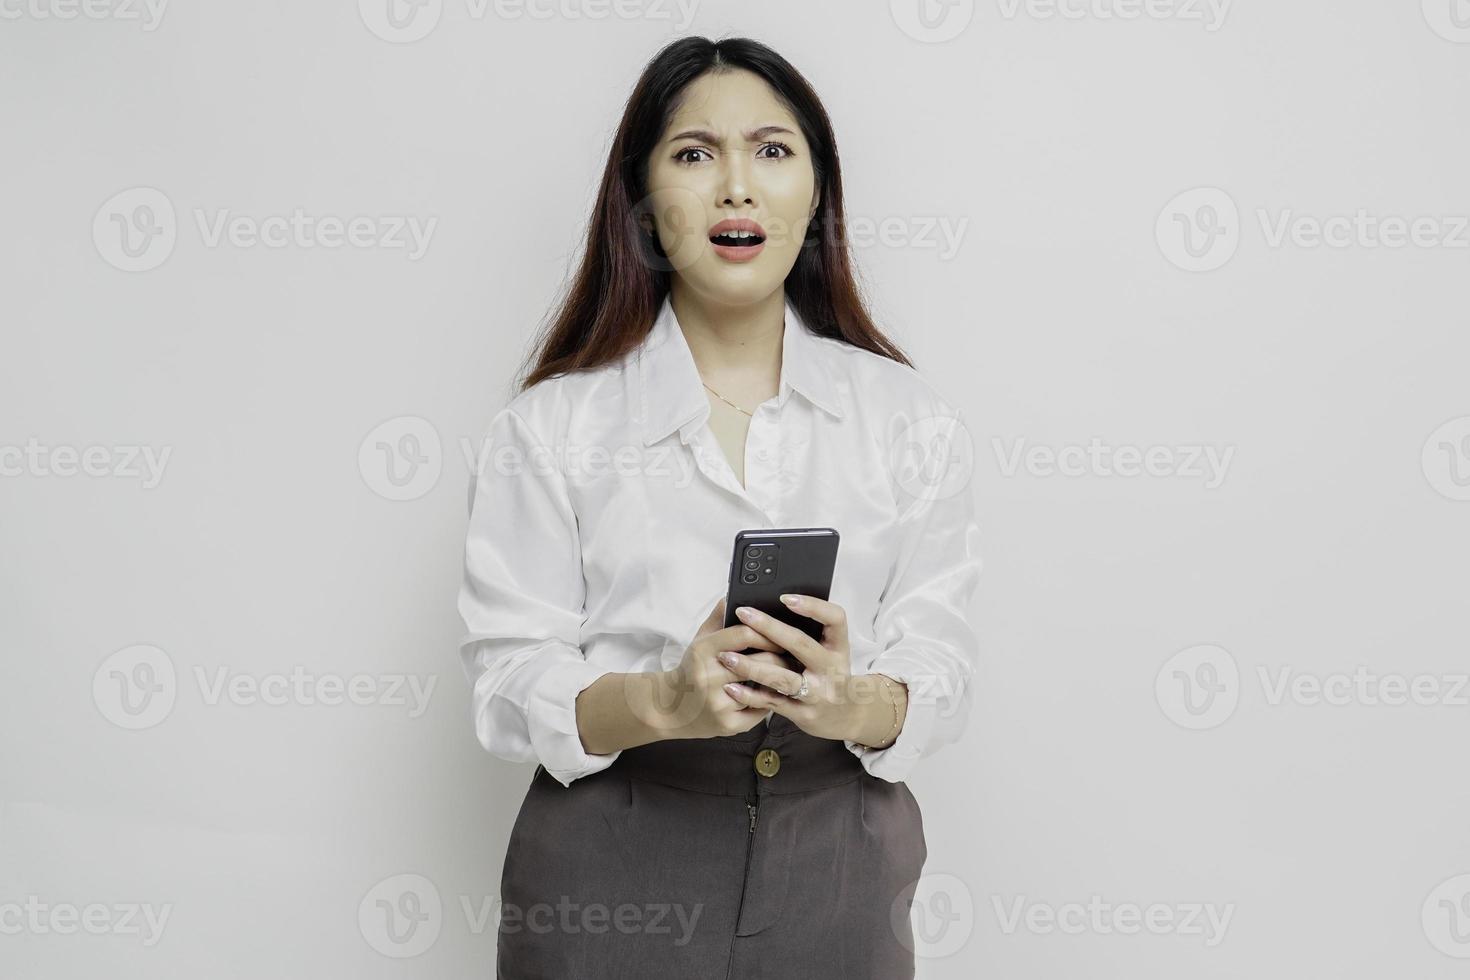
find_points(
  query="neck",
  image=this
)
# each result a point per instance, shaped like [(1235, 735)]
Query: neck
[(739, 345)]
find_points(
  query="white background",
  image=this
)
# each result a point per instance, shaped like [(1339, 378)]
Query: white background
[(1071, 310)]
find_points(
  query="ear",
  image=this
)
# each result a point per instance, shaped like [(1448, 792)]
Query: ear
[(816, 202)]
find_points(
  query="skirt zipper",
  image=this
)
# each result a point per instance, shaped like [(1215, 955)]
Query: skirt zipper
[(744, 880)]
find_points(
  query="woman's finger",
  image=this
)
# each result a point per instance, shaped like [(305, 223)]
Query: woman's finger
[(714, 621), (787, 637), (779, 658), (832, 616), (742, 637), (778, 679), (755, 697)]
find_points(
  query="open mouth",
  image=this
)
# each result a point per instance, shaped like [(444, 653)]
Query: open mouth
[(737, 239)]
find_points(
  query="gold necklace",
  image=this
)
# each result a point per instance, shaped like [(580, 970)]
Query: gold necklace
[(727, 401)]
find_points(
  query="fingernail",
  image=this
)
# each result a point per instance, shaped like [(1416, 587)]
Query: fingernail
[(732, 688), (728, 659), (745, 612), (791, 600)]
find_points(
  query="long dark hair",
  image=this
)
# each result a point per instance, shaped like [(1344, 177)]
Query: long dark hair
[(623, 277)]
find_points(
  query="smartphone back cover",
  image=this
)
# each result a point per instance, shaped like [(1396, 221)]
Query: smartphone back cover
[(805, 562)]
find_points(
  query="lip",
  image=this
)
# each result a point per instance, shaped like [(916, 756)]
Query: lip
[(737, 253)]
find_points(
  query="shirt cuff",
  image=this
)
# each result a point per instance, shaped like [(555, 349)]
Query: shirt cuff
[(896, 761), (552, 723)]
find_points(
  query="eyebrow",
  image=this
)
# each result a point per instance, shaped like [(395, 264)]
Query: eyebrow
[(751, 135)]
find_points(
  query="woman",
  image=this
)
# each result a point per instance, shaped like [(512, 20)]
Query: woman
[(698, 811)]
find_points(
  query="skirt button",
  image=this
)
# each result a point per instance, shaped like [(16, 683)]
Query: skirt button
[(768, 762)]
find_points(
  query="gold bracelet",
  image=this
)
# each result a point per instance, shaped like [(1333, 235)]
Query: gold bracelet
[(893, 700)]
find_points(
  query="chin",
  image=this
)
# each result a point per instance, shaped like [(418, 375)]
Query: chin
[(735, 284)]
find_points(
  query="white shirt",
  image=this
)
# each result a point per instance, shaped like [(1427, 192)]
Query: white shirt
[(610, 559)]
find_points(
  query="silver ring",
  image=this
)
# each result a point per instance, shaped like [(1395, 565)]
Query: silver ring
[(806, 688)]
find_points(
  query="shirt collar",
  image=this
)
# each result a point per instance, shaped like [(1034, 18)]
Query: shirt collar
[(673, 394)]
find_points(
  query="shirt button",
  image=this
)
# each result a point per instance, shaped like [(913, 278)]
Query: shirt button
[(768, 762)]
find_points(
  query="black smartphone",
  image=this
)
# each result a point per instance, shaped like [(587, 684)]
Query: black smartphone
[(769, 562)]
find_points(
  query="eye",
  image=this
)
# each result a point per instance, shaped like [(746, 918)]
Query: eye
[(785, 151), (681, 158)]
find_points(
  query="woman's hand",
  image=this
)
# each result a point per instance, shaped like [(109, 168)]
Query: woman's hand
[(832, 708), (692, 700)]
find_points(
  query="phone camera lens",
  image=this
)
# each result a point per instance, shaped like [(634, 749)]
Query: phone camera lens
[(749, 577), (752, 564), (753, 551)]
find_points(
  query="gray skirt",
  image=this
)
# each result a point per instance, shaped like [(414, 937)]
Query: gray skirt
[(768, 855)]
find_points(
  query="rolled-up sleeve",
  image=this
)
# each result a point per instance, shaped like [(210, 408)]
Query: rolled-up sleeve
[(522, 601), (922, 629)]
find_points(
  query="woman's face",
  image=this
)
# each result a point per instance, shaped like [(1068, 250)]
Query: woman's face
[(731, 155)]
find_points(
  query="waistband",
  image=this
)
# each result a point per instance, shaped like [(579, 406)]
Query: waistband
[(727, 765)]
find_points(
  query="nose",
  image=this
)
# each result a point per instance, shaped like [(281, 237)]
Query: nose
[(736, 178)]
